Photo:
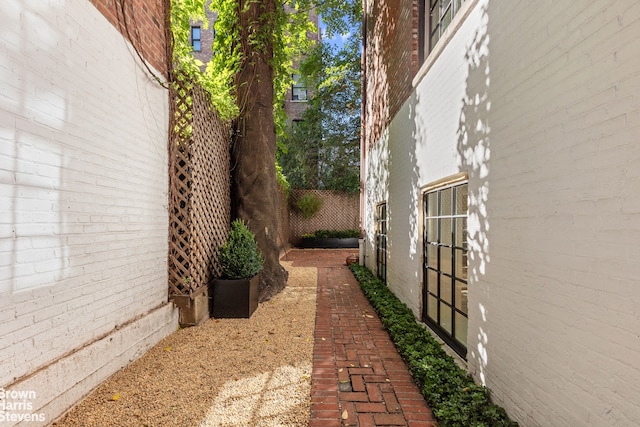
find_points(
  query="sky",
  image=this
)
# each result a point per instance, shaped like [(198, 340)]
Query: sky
[(337, 40)]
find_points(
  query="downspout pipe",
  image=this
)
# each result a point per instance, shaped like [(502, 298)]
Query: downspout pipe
[(363, 136)]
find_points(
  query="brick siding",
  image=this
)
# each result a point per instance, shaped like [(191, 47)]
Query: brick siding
[(392, 45), (145, 22)]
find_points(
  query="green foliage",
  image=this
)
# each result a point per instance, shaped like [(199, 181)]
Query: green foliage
[(338, 234), (282, 181), (339, 16), (455, 399), (240, 257), (309, 205), (291, 42), (220, 72), (217, 77), (323, 150), (286, 32)]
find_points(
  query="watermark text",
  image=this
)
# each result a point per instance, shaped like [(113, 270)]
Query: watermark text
[(17, 406)]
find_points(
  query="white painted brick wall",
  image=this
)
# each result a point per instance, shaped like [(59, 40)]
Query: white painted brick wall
[(553, 160), (83, 186)]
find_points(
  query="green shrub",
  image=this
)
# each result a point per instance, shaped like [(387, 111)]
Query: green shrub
[(340, 234), (309, 205), (455, 399), (240, 257)]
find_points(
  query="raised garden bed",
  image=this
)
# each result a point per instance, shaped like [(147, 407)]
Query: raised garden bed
[(328, 242), (330, 239)]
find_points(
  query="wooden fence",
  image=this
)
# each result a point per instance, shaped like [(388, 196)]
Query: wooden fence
[(199, 193), (339, 211)]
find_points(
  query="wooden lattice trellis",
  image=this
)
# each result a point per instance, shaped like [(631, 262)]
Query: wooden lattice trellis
[(339, 211), (199, 192)]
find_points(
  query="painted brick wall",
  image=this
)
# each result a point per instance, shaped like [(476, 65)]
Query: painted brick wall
[(83, 196), (143, 23), (539, 105), (563, 213)]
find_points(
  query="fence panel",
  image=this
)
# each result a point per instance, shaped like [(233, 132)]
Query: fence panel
[(339, 211), (199, 191)]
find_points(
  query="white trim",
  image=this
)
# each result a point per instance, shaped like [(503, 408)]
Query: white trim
[(465, 9), (448, 181)]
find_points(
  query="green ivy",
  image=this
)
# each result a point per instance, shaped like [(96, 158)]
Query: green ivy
[(287, 31), (217, 77), (282, 181), (456, 401)]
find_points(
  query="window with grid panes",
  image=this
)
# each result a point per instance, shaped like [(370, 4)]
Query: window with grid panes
[(381, 241), (298, 89), (445, 264), (435, 17), (196, 38)]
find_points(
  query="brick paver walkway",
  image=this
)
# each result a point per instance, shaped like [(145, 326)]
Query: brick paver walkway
[(358, 377)]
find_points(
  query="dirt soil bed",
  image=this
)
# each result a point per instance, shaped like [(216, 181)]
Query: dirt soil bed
[(225, 372)]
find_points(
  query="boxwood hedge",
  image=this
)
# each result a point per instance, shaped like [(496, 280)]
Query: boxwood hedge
[(456, 401)]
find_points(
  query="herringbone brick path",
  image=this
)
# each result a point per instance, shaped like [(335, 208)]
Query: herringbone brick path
[(358, 377)]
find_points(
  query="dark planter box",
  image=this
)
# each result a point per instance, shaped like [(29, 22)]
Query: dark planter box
[(328, 242), (233, 298)]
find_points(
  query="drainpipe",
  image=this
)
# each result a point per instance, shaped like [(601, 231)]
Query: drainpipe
[(363, 135)]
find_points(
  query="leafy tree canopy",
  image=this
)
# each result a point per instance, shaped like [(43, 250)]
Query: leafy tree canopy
[(322, 150), (287, 34)]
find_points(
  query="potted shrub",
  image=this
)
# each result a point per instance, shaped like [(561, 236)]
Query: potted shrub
[(235, 294)]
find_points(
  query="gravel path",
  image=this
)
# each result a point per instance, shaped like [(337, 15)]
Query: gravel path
[(225, 372)]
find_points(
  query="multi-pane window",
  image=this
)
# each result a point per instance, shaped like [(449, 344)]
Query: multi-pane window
[(436, 16), (445, 264), (196, 38), (381, 241), (298, 89)]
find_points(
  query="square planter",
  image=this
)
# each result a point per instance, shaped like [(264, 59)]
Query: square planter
[(234, 298), (328, 242), (196, 309)]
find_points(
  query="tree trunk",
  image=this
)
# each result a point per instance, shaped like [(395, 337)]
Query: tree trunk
[(253, 155)]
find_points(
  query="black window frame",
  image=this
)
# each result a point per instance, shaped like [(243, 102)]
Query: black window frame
[(198, 39), (434, 19), (451, 280), (301, 86)]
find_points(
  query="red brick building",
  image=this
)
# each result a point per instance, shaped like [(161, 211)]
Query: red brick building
[(144, 24)]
